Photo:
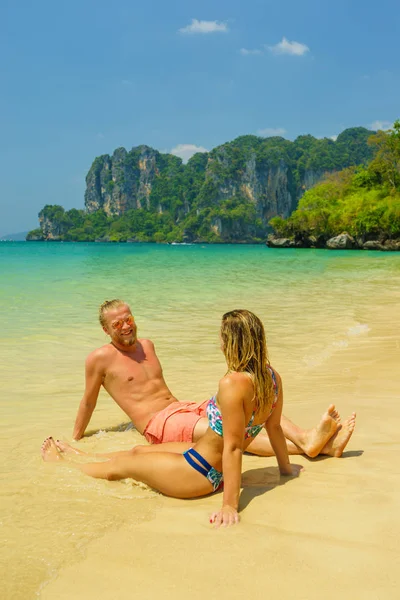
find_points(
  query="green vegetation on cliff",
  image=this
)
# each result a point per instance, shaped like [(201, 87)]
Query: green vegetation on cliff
[(226, 195), (363, 201)]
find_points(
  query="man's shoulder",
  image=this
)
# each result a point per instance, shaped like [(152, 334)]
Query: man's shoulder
[(146, 343), (100, 354), (148, 348)]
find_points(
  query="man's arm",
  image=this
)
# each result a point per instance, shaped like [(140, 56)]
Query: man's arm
[(94, 377)]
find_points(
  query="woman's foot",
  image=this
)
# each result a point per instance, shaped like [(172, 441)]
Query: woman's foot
[(49, 451), (67, 448), (340, 439), (317, 438)]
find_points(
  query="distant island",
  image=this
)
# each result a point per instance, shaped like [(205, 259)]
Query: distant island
[(235, 193)]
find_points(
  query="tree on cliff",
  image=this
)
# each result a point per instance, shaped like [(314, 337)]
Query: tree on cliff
[(386, 164)]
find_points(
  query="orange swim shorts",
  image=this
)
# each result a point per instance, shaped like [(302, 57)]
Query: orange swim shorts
[(175, 423)]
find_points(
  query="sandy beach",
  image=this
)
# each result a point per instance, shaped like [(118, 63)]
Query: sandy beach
[(334, 336), (333, 532)]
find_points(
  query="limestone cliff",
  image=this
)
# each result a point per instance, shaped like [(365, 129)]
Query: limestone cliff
[(123, 181), (52, 225), (271, 174), (227, 194)]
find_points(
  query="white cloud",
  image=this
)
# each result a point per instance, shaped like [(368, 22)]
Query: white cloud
[(247, 52), (286, 47), (334, 137), (197, 26), (186, 151), (271, 131), (380, 125)]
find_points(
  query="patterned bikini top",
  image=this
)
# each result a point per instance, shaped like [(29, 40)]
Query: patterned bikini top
[(215, 418)]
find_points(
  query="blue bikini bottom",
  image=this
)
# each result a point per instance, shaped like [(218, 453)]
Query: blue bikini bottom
[(202, 466)]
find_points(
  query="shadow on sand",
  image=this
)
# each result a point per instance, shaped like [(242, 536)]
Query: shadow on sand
[(256, 482), (348, 454)]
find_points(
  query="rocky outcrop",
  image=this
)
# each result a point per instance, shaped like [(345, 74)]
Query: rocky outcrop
[(121, 182), (276, 242), (52, 228), (388, 245), (268, 186), (343, 241), (392, 245), (372, 245)]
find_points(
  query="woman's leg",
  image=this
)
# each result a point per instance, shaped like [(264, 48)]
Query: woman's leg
[(176, 447), (166, 472), (68, 449)]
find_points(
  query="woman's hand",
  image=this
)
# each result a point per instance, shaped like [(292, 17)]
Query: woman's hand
[(226, 516), (292, 470)]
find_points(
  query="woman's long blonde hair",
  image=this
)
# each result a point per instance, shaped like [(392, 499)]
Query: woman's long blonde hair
[(245, 350)]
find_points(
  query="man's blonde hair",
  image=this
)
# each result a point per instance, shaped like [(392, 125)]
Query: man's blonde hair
[(245, 350), (109, 305)]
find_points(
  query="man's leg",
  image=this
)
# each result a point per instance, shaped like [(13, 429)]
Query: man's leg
[(300, 441), (313, 440), (261, 446), (340, 439)]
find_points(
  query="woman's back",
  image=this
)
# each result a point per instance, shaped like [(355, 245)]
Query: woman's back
[(239, 387)]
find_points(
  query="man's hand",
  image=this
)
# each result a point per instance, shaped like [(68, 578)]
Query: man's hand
[(226, 516)]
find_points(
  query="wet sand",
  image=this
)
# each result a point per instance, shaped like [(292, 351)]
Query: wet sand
[(332, 533), (332, 322)]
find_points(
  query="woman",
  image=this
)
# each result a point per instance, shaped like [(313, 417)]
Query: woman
[(249, 397)]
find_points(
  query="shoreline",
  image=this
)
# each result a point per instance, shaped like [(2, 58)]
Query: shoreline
[(276, 244)]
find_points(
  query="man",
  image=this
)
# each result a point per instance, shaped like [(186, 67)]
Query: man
[(129, 369)]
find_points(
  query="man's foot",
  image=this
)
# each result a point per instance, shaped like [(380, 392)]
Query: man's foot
[(339, 440), (49, 451), (317, 438), (67, 448)]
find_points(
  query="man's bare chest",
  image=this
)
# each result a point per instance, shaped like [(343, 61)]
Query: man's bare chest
[(127, 372)]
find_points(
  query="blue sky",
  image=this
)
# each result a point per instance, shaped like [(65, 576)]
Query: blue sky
[(81, 78)]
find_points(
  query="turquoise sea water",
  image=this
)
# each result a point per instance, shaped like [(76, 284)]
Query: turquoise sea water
[(322, 310), (313, 302)]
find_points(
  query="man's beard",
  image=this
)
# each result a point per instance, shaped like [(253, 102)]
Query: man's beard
[(127, 341)]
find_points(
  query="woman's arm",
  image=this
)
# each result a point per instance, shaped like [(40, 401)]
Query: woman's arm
[(231, 395), (275, 433)]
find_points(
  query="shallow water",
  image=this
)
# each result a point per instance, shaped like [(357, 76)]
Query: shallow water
[(324, 311)]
